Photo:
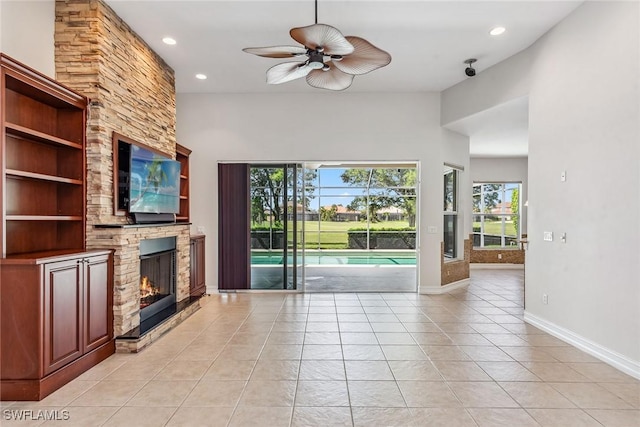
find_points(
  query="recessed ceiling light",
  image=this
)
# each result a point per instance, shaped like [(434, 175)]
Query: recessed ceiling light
[(496, 31), (169, 40), (201, 77)]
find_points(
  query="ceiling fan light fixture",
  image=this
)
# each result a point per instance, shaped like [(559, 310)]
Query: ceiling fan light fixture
[(316, 65)]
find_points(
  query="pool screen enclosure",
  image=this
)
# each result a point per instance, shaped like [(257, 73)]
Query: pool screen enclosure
[(286, 219)]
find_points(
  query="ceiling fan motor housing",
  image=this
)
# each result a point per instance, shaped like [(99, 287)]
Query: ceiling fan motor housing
[(316, 59)]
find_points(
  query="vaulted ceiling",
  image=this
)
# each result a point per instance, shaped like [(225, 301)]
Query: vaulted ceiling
[(428, 40)]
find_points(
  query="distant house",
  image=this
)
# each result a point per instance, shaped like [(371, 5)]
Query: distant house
[(503, 208), (344, 214), (390, 213), (301, 213)]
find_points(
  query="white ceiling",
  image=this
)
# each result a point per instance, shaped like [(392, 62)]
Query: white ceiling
[(428, 40)]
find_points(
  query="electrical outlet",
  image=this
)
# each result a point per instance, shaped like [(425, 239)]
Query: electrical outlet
[(499, 256), (200, 229), (545, 299), (548, 236)]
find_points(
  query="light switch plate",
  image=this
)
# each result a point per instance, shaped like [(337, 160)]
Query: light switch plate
[(432, 229), (548, 236)]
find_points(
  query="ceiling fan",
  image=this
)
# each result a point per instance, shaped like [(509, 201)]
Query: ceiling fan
[(326, 58)]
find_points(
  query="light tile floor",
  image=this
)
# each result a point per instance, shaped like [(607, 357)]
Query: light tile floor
[(352, 359)]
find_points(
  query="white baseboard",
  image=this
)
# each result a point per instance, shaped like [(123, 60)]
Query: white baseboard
[(610, 357), (495, 266), (435, 290)]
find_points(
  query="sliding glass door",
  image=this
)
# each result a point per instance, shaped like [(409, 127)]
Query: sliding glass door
[(318, 227), (276, 223)]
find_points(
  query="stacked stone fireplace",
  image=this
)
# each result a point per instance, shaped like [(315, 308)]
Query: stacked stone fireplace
[(126, 240), (132, 92)]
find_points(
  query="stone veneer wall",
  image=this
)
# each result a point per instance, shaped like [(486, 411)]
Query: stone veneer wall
[(126, 289), (490, 256), (454, 271), (132, 92)]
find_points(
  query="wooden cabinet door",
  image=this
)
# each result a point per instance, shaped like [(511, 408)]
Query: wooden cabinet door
[(197, 284), (63, 313), (193, 264), (200, 279), (98, 298)]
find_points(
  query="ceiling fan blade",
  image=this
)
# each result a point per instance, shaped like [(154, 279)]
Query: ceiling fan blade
[(334, 79), (365, 57), (321, 35), (286, 72), (276, 51)]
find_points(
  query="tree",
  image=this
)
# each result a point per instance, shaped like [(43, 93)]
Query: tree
[(515, 205), (393, 187), (491, 197), (267, 192), (330, 214)]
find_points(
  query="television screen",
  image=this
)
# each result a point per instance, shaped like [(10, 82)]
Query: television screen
[(154, 185)]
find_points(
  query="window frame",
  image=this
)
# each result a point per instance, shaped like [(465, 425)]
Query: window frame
[(450, 214), (482, 213)]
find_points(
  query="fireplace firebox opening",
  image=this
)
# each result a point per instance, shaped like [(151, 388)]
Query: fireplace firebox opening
[(157, 275)]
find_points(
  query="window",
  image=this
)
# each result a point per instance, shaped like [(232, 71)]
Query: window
[(362, 207), (496, 218), (450, 212)]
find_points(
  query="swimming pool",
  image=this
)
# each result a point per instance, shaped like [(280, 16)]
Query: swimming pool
[(338, 258)]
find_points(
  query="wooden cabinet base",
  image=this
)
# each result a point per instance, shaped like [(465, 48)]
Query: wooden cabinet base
[(197, 285), (38, 389)]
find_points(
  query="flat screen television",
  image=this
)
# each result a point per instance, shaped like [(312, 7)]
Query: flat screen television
[(154, 182)]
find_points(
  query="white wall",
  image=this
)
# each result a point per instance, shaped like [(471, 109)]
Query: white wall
[(584, 119), (503, 170), (503, 82), (314, 127), (582, 80), (26, 33)]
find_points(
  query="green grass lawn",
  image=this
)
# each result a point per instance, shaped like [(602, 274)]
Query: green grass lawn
[(495, 227), (333, 235)]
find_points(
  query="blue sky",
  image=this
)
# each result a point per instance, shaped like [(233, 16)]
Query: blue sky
[(331, 178)]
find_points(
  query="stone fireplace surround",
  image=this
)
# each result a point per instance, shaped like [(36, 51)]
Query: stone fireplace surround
[(125, 240), (132, 92)]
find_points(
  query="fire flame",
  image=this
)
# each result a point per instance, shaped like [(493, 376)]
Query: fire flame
[(146, 288)]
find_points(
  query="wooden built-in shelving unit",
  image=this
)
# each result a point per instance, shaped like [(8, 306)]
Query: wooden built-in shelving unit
[(43, 127), (182, 155), (56, 310)]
